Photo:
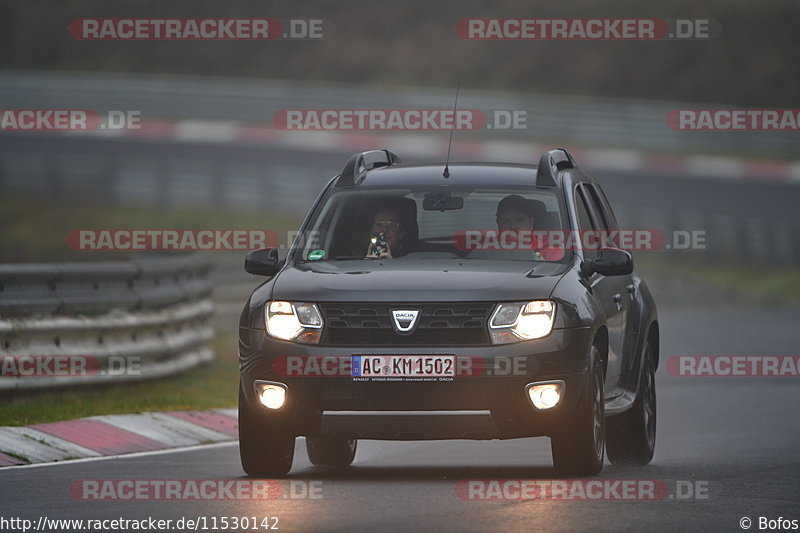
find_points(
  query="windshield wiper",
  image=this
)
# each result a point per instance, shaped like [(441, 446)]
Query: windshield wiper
[(341, 258)]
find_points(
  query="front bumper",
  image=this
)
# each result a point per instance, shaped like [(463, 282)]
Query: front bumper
[(487, 404)]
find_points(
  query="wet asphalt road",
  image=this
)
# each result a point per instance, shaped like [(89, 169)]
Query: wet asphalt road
[(736, 440)]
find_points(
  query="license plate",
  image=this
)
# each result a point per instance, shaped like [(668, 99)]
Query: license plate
[(403, 366)]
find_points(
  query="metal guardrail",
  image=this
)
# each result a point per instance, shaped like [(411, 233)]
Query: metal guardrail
[(103, 322)]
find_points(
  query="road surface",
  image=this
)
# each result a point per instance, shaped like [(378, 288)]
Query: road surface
[(732, 440)]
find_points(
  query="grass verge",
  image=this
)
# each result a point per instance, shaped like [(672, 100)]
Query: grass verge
[(34, 230), (763, 284), (210, 386)]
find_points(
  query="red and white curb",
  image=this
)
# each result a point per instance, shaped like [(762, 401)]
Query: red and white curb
[(114, 435), (433, 145)]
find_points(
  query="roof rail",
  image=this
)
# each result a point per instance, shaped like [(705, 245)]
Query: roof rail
[(361, 162), (549, 165)]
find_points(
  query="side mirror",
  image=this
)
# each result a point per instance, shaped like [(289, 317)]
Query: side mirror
[(612, 262), (263, 262)]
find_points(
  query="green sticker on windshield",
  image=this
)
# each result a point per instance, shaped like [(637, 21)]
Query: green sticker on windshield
[(316, 254)]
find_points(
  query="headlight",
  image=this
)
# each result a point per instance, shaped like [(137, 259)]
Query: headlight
[(298, 322), (516, 321)]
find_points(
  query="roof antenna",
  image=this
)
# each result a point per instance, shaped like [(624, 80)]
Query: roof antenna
[(446, 172)]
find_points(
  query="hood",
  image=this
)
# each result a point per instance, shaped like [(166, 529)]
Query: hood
[(417, 281)]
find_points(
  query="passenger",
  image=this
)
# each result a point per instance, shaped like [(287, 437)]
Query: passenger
[(515, 213)]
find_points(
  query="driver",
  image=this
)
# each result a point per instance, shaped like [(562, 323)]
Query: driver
[(387, 223)]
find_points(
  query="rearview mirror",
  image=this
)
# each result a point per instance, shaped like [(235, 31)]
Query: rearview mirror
[(263, 262), (612, 262), (441, 202)]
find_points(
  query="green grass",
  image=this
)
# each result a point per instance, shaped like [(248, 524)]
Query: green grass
[(211, 386), (756, 283), (34, 230)]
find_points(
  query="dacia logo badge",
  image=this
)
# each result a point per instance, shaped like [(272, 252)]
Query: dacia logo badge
[(404, 320)]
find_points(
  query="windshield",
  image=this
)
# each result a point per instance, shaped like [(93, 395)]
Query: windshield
[(435, 223)]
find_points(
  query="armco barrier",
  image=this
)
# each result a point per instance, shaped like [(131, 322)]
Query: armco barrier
[(130, 320)]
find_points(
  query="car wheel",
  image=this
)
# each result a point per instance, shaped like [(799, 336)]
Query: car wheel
[(265, 449), (632, 434), (579, 447), (331, 451)]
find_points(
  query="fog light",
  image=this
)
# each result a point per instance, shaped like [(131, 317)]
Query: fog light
[(271, 395), (546, 395)]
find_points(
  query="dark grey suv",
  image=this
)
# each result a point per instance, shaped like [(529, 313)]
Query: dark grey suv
[(418, 303)]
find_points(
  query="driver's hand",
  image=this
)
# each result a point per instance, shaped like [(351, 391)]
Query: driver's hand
[(373, 254)]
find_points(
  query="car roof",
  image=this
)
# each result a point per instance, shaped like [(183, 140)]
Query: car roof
[(383, 169), (470, 174)]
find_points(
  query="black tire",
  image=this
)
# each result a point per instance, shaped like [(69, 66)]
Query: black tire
[(579, 447), (632, 435), (331, 451), (265, 449)]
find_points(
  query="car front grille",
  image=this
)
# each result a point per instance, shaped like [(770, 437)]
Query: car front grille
[(439, 324)]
